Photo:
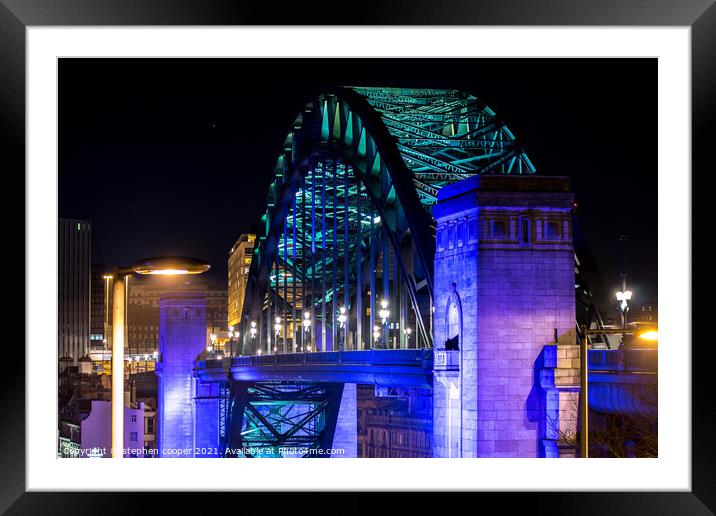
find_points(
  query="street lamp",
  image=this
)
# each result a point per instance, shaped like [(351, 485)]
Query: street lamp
[(277, 328), (168, 266), (342, 324), (624, 298), (384, 313), (407, 331), (376, 333), (306, 330), (342, 316)]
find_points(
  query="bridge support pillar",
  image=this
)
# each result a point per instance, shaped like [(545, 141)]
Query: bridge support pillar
[(206, 419), (182, 336), (503, 286), (345, 437)]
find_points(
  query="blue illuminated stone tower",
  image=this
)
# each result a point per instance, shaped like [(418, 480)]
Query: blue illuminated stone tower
[(182, 336), (504, 284)]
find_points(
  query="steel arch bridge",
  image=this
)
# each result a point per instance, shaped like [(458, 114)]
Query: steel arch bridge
[(348, 227)]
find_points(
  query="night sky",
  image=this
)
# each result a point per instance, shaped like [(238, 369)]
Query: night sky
[(174, 156)]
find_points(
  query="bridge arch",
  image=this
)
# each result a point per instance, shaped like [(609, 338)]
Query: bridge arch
[(348, 222)]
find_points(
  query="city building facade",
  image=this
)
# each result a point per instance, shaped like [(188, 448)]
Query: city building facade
[(73, 294), (143, 313), (100, 327), (239, 263), (85, 430), (393, 426)]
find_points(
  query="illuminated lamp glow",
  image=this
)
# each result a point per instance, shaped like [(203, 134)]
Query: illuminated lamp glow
[(167, 272), (652, 335), (170, 266)]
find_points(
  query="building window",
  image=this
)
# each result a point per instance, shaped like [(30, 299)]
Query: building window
[(134, 419), (525, 231), (133, 437), (551, 230), (453, 320), (499, 230)]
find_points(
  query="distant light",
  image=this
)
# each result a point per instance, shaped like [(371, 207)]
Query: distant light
[(107, 276), (652, 335), (376, 220), (384, 313), (624, 296), (209, 349), (277, 326), (376, 332)]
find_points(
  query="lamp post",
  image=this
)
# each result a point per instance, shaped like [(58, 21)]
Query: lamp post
[(252, 332), (167, 266), (342, 325), (407, 331), (384, 314), (230, 334), (277, 328), (376, 333), (306, 331), (624, 297)]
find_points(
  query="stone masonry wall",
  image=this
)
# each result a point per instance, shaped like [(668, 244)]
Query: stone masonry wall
[(504, 249), (182, 336), (346, 435)]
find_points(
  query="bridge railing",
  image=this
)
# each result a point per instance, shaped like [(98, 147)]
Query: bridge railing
[(629, 360), (368, 357)]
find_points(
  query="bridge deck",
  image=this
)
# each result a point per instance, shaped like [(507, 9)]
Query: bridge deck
[(386, 367)]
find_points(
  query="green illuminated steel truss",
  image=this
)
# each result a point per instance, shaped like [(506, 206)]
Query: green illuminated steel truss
[(348, 219)]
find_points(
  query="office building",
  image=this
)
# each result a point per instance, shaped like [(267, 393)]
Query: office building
[(239, 265), (73, 289)]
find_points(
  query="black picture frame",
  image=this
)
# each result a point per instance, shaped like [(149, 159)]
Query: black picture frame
[(17, 15)]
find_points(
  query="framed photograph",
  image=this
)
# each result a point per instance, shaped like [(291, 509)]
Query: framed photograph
[(436, 250)]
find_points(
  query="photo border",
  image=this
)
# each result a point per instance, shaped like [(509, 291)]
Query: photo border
[(16, 15)]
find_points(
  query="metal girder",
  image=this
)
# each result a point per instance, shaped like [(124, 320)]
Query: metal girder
[(276, 419), (349, 213)]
